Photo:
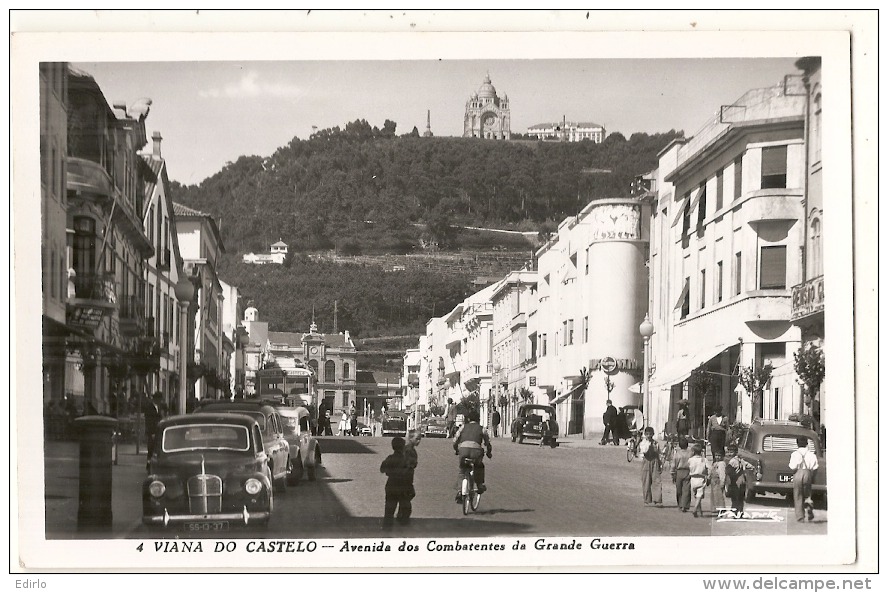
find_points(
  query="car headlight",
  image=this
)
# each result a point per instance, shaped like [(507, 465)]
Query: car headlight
[(156, 488), (253, 486)]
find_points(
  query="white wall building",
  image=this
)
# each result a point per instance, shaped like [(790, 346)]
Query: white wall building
[(568, 131), (725, 251)]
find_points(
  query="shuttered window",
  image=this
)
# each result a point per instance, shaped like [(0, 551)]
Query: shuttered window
[(774, 167), (772, 271), (738, 177), (719, 189)]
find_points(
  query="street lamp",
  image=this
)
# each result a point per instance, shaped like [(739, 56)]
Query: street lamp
[(496, 391), (646, 329), (184, 294)]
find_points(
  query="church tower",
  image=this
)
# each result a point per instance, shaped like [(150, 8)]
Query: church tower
[(487, 114), (428, 132)]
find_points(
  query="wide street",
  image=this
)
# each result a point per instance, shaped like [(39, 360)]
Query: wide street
[(580, 488)]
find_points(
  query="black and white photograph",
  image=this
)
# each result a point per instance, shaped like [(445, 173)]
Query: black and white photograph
[(406, 298)]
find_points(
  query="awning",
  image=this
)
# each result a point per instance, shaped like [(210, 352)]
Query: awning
[(684, 294), (566, 394), (636, 388), (679, 369)]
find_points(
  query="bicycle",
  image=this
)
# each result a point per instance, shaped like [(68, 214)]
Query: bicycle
[(632, 446), (468, 490), (667, 453)]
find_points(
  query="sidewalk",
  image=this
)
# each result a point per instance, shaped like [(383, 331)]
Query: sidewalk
[(62, 489)]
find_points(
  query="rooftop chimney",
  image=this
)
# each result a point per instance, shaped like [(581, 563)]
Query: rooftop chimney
[(157, 138), (347, 337)]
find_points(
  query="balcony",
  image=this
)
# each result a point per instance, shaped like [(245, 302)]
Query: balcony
[(807, 299), (95, 296), (773, 204), (132, 316), (88, 176)]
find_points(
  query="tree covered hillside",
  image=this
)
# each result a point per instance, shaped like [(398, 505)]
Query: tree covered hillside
[(366, 189), (369, 301)]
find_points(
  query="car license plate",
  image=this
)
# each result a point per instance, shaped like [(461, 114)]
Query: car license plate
[(205, 526), (784, 478)]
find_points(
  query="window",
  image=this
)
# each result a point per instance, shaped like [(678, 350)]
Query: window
[(684, 301), (84, 246), (815, 127), (720, 279), (587, 261), (701, 213), (772, 273), (774, 167), (313, 365), (585, 329), (345, 369), (738, 268), (738, 177), (344, 399), (330, 371), (686, 216), (570, 331), (816, 256), (564, 332), (543, 345), (702, 289), (719, 189)]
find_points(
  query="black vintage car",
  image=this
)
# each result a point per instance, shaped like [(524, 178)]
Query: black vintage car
[(208, 473), (284, 468), (394, 424), (536, 421)]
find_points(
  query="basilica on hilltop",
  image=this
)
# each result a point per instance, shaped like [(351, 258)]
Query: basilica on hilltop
[(487, 115)]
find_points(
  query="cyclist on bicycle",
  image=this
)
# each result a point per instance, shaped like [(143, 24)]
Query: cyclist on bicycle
[(469, 443)]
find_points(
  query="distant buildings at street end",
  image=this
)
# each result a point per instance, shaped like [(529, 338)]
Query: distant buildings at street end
[(568, 131), (276, 255), (487, 115)]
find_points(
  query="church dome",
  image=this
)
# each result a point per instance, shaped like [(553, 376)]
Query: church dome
[(487, 91)]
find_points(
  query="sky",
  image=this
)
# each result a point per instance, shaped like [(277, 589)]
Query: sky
[(210, 113)]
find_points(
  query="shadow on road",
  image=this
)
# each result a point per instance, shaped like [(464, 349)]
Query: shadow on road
[(345, 445), (503, 511)]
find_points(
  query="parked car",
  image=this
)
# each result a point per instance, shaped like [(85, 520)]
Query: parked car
[(394, 424), (536, 421), (435, 427), (364, 430), (271, 425), (305, 452), (208, 472), (766, 446)]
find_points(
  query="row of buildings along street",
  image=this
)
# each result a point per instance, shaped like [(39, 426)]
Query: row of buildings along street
[(718, 248)]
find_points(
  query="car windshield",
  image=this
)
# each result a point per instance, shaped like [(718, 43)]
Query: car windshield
[(437, 422), (783, 443), (293, 423), (256, 415), (217, 437)]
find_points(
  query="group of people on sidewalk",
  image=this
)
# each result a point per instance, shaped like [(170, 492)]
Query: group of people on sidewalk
[(724, 477)]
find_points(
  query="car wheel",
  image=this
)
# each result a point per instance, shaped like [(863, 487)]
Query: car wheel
[(513, 437), (310, 472), (520, 438), (294, 472), (553, 442), (820, 501)]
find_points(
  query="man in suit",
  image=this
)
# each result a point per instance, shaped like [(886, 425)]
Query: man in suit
[(154, 411), (610, 424)]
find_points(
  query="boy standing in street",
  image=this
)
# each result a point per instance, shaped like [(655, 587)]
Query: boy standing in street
[(804, 463), (399, 486), (651, 487)]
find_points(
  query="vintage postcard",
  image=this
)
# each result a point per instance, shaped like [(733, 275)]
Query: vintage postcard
[(389, 296)]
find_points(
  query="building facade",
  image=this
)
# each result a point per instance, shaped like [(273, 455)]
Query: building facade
[(200, 245), (276, 255), (254, 349), (55, 247), (726, 233), (162, 270), (591, 296), (808, 296), (106, 297), (236, 335), (568, 131), (413, 398), (487, 115)]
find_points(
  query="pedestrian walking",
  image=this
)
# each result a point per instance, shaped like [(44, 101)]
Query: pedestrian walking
[(398, 487), (718, 478), (450, 415), (326, 429), (718, 431), (343, 424), (154, 411), (682, 419), (699, 478), (353, 420), (609, 418), (495, 422), (681, 475), (410, 453), (735, 479), (803, 462), (651, 486)]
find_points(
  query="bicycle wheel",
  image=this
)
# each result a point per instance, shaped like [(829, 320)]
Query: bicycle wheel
[(466, 496), (630, 452), (475, 499)]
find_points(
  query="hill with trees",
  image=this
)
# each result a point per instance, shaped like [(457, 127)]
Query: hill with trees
[(366, 190)]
